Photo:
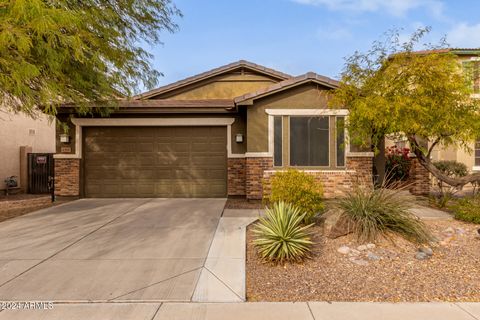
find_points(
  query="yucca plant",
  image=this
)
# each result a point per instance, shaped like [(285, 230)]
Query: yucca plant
[(375, 212), (281, 236)]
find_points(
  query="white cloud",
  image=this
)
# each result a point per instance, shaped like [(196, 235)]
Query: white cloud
[(464, 35), (393, 7)]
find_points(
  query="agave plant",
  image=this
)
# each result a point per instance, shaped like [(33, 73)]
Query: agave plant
[(281, 236)]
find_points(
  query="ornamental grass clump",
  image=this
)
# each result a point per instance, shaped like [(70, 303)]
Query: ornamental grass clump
[(281, 236), (379, 212)]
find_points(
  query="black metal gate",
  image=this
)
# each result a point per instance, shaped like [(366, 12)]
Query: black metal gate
[(40, 168)]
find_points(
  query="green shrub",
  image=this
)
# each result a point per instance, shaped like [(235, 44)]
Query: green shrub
[(375, 212), (281, 236), (451, 168), (467, 209), (299, 189)]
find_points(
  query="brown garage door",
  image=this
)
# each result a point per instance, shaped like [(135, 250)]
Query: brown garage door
[(155, 162)]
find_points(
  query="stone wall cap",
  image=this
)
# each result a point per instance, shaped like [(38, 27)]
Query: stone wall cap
[(360, 154)]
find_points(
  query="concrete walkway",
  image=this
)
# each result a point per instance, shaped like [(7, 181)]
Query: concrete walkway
[(252, 311), (427, 213), (222, 278)]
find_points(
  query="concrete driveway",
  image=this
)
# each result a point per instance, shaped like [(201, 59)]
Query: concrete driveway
[(108, 250)]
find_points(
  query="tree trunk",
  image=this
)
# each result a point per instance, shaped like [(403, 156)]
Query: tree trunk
[(427, 164), (379, 161)]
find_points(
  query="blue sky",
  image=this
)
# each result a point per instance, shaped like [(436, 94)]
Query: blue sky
[(296, 36)]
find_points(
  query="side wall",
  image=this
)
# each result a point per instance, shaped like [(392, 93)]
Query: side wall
[(19, 130)]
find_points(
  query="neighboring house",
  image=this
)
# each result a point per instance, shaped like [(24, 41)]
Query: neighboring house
[(470, 60), (19, 130), (220, 133)]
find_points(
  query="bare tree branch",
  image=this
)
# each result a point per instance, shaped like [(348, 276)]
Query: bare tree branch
[(457, 182)]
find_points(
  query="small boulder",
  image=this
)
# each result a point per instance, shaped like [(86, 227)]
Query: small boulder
[(373, 256), (427, 250), (336, 225), (362, 247), (354, 253), (449, 231), (359, 262), (370, 245), (344, 250), (421, 256)]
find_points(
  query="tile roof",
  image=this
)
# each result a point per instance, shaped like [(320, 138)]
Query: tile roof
[(211, 73), (166, 103), (458, 51), (292, 82)]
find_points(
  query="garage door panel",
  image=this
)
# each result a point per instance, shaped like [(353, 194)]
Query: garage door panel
[(155, 161), (125, 147), (145, 147)]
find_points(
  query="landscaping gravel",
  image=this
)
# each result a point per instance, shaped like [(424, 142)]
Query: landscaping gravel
[(242, 203), (386, 271)]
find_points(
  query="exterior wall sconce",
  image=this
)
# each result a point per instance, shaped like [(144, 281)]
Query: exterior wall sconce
[(64, 138), (239, 138)]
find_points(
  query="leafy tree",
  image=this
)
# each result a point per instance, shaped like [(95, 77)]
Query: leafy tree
[(423, 96), (77, 51)]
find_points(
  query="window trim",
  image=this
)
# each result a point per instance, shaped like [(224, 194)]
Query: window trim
[(475, 166), (329, 166)]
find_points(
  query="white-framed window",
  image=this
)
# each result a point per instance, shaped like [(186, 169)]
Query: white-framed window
[(308, 138), (477, 153)]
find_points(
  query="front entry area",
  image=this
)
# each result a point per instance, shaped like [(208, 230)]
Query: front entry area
[(147, 162)]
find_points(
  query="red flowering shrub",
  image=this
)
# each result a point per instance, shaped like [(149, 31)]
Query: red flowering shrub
[(397, 164)]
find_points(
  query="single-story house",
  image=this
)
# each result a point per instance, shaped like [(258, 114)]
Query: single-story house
[(216, 134)]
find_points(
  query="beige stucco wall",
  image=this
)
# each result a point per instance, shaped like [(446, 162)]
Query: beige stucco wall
[(308, 96), (226, 86), (455, 153), (14, 133)]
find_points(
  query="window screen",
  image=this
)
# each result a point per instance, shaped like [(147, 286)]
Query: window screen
[(309, 141), (277, 142)]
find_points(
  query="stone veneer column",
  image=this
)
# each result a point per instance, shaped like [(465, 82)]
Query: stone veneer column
[(67, 177), (254, 176), (236, 176), (419, 178)]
